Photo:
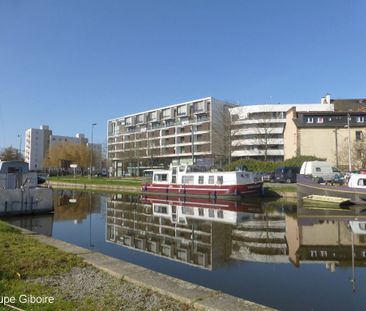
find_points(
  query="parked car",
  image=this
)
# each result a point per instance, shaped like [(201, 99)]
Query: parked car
[(286, 174), (268, 177)]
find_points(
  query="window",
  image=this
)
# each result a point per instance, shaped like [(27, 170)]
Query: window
[(160, 177), (167, 113), (220, 180), (309, 120), (187, 180), (201, 179), (182, 110), (201, 212), (319, 120), (359, 135), (318, 169), (211, 180), (220, 214), (360, 119), (199, 106)]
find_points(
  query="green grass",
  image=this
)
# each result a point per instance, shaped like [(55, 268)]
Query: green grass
[(131, 181), (23, 258)]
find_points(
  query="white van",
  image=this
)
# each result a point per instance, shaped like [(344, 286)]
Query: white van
[(320, 169)]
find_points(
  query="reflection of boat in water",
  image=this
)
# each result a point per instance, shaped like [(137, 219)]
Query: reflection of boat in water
[(190, 180), (20, 192), (179, 209), (41, 224)]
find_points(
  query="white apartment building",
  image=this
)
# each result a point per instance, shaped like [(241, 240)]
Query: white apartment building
[(188, 131), (39, 141), (257, 131)]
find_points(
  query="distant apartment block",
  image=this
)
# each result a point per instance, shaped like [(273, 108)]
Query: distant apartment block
[(39, 141), (193, 130), (257, 131)]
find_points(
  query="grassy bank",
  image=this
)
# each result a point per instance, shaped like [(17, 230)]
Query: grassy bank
[(30, 268)]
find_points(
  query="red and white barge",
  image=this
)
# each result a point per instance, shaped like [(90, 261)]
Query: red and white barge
[(189, 180)]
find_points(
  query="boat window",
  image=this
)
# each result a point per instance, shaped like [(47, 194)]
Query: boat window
[(201, 212), (211, 180), (335, 170), (318, 169), (220, 214), (187, 180), (211, 213), (201, 179), (181, 168), (162, 209), (160, 177), (220, 180), (361, 182), (174, 171)]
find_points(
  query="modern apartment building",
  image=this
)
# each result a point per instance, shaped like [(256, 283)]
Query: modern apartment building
[(257, 131), (39, 141), (185, 132)]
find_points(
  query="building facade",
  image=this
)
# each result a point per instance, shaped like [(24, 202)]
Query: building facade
[(257, 131), (338, 137), (39, 141), (191, 131)]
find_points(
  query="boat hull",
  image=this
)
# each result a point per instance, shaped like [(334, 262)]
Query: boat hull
[(211, 191), (306, 186)]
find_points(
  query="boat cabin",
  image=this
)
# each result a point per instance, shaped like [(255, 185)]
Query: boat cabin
[(357, 181), (15, 174), (195, 175)]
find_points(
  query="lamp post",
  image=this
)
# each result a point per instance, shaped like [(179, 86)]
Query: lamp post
[(349, 143), (92, 147), (20, 145)]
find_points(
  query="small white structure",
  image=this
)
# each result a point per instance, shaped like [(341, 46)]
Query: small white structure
[(19, 190)]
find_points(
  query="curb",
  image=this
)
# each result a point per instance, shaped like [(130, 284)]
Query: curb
[(195, 295)]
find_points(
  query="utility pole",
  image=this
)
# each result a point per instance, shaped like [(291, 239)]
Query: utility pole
[(92, 147), (336, 146), (349, 143)]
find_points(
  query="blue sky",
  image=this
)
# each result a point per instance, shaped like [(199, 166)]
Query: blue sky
[(72, 63)]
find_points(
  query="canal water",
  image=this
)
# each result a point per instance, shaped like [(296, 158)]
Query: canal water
[(274, 253)]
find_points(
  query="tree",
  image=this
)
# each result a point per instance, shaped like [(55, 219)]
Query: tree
[(10, 154), (63, 154)]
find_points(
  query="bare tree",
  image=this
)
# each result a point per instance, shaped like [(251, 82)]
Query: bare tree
[(10, 153)]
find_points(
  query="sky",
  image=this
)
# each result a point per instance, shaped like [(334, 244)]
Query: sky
[(71, 63)]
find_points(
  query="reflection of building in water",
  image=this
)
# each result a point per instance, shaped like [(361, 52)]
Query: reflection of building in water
[(327, 237), (161, 229), (261, 239), (198, 232), (75, 205)]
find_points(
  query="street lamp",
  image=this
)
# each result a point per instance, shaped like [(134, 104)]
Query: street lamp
[(92, 147), (20, 145)]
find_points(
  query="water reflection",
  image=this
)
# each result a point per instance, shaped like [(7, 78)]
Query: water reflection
[(254, 250), (75, 205), (198, 232), (335, 238)]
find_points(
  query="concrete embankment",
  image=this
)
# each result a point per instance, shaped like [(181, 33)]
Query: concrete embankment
[(197, 296), (271, 190)]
